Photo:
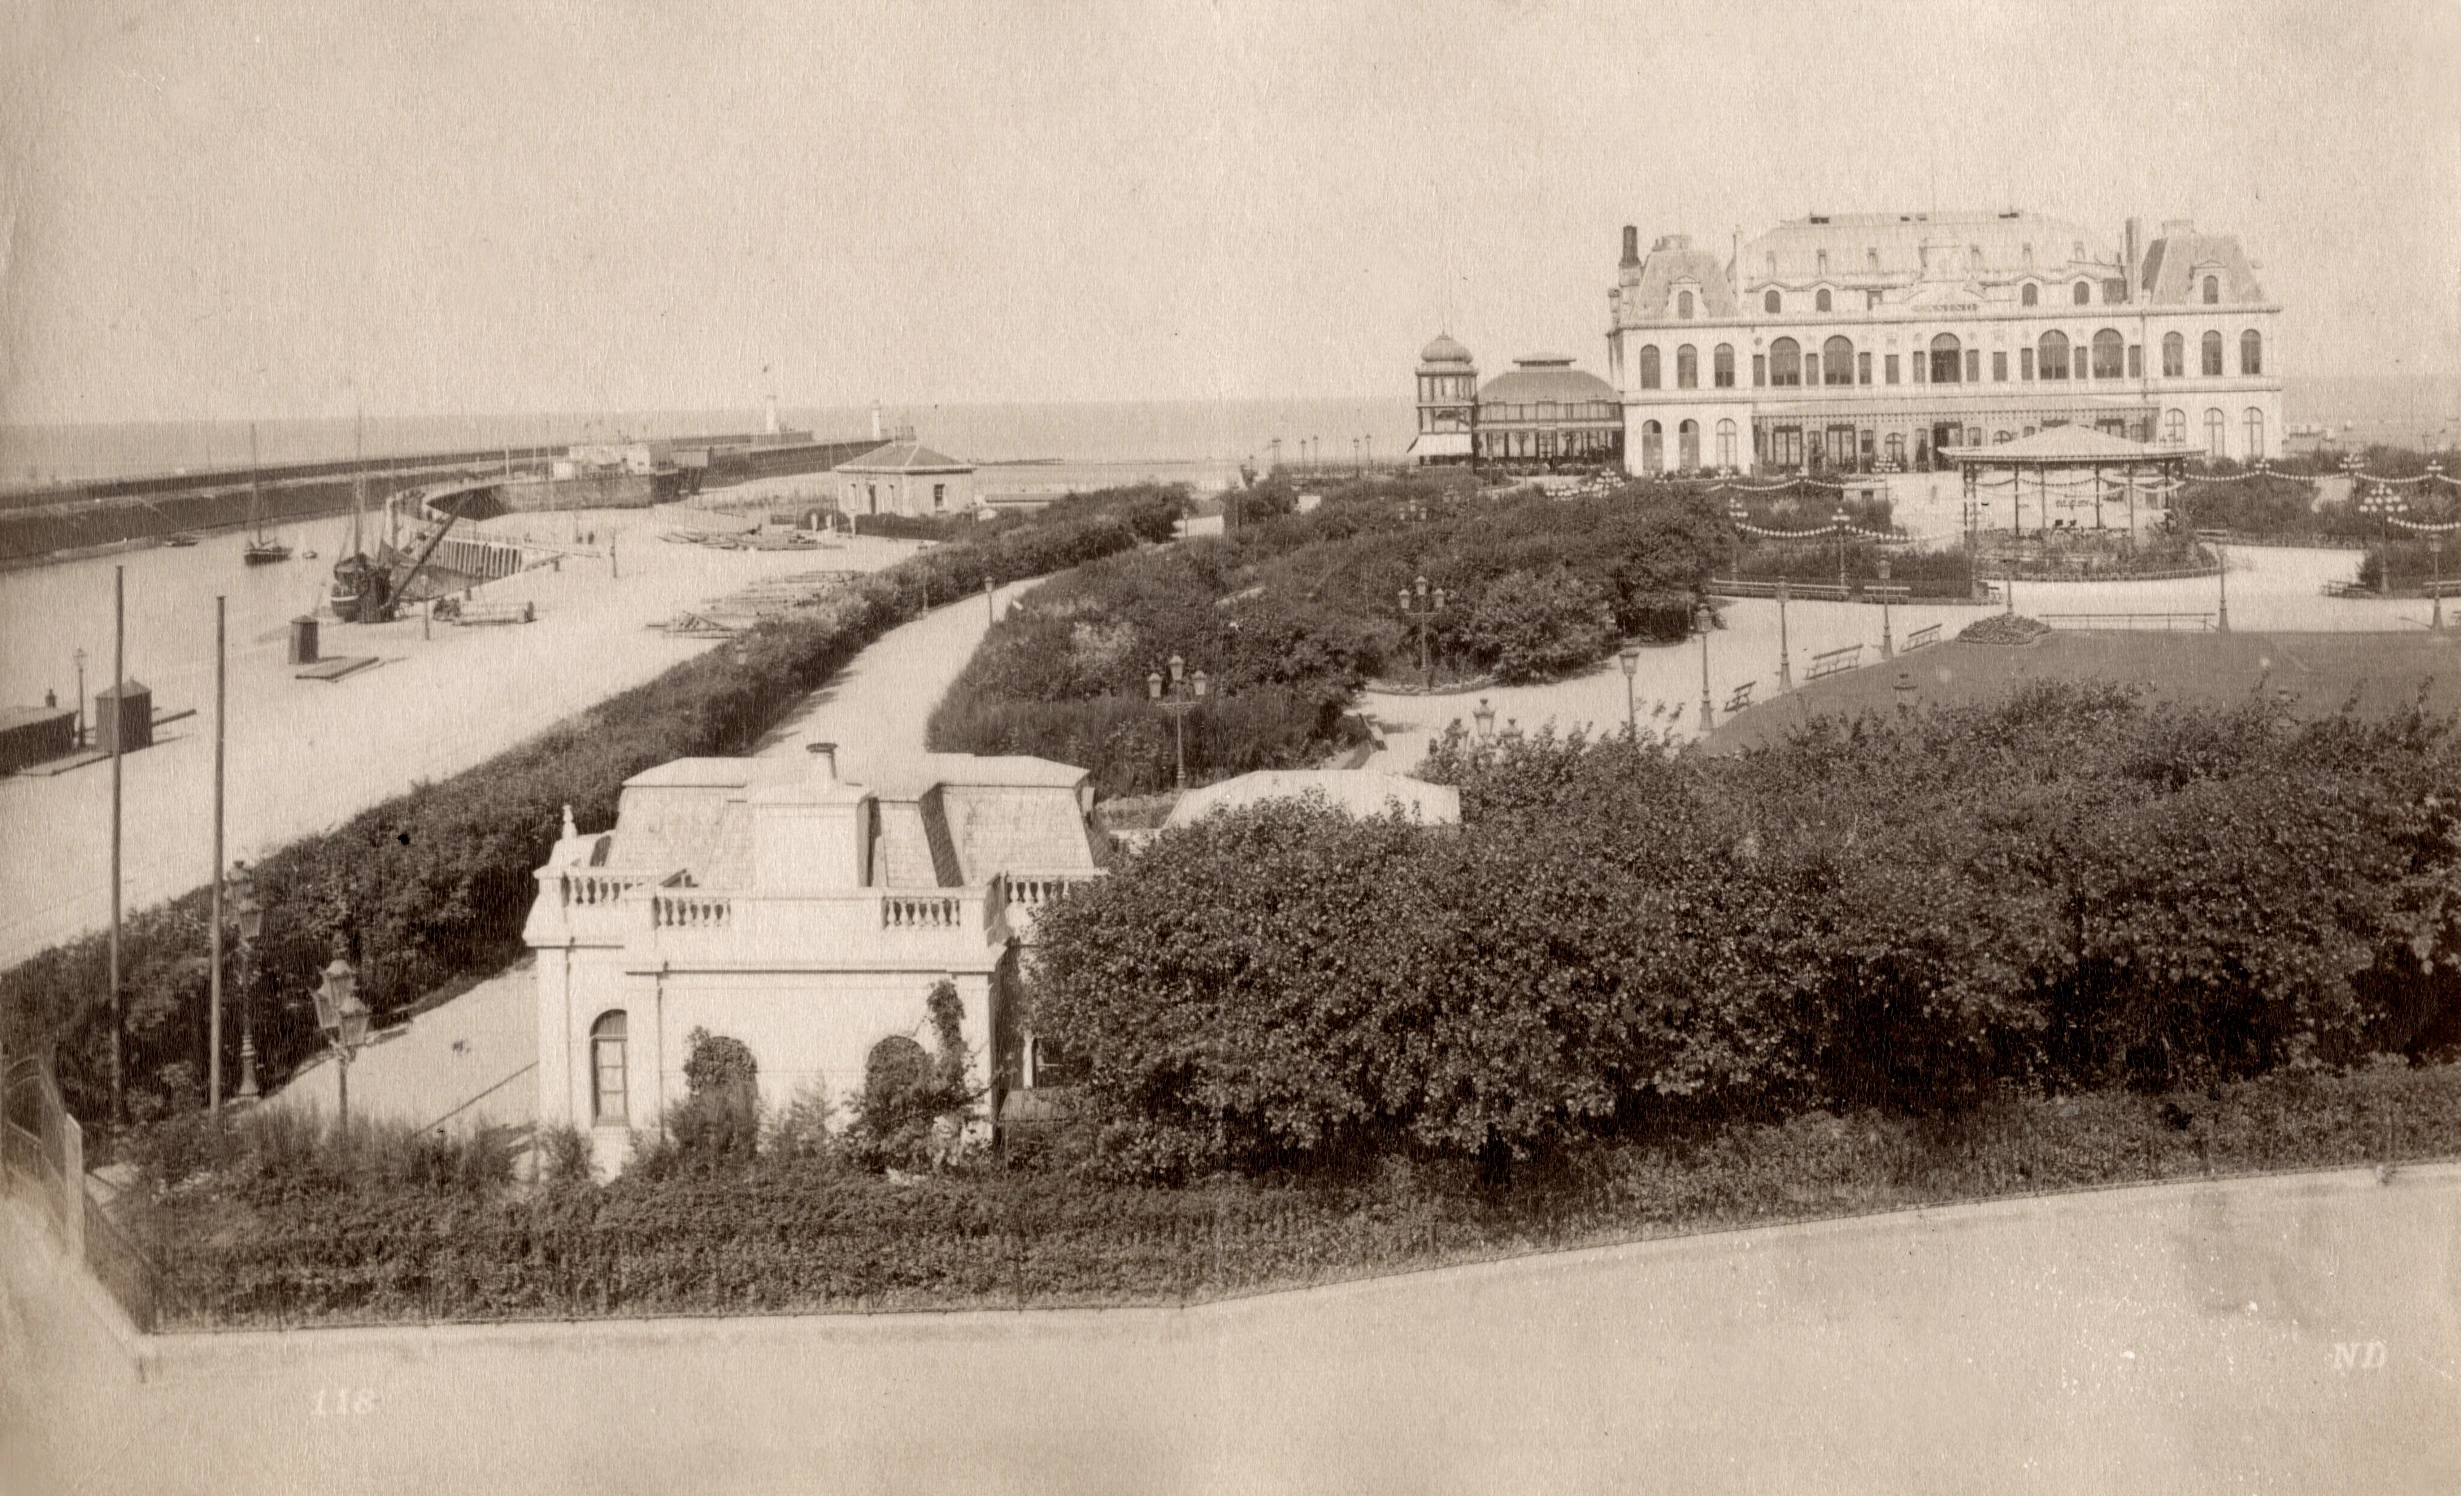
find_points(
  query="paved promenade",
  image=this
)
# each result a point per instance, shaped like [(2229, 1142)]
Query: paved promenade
[(2277, 589), (2300, 1333), (306, 755)]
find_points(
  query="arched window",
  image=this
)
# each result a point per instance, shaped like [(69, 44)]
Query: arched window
[(2213, 291), (1683, 305), (2251, 352), (1837, 361), (1871, 260), (2213, 435), (2051, 355), (2032, 294), (1726, 444), (2083, 295), (1687, 368), (2000, 436), (1649, 366), (1785, 362), (1687, 445), (609, 1106), (1653, 447), (1820, 303), (2174, 355), (1897, 448), (1769, 303), (2213, 354), (1947, 365), (2110, 354), (1722, 366), (2252, 423), (2174, 425)]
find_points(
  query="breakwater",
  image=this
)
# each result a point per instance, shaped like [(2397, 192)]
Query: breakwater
[(36, 523)]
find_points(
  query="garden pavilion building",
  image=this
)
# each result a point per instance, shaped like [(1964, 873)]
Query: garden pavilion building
[(1875, 342), (1543, 412)]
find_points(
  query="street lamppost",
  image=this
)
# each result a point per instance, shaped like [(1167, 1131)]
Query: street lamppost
[(1785, 670), (2384, 504), (1888, 649), (1704, 617), (1841, 520), (1738, 514), (2435, 592), (343, 1018), (80, 658), (1485, 718), (1421, 608), (1180, 695), (1630, 658), (250, 916)]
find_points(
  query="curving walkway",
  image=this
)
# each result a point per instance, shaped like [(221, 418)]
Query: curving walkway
[(2292, 1333)]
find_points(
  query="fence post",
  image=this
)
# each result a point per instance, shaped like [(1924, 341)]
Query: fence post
[(72, 1188)]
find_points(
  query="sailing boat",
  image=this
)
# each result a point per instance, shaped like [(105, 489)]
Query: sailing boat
[(359, 585), (261, 548)]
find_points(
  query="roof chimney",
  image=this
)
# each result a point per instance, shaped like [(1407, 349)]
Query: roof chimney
[(826, 755), (1632, 246), (2136, 253)]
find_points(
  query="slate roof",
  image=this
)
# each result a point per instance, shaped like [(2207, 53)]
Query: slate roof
[(905, 457), (1546, 379), (1672, 259), (2176, 264)]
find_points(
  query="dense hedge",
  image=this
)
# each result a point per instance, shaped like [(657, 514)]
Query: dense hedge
[(435, 884), (1291, 614), (425, 1230), (2063, 890)]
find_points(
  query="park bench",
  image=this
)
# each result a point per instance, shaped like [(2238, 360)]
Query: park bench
[(1741, 698), (1923, 638), (1886, 592), (1832, 661)]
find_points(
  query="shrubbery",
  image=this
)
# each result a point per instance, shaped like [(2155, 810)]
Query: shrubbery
[(313, 1241), (2067, 890), (435, 884), (1291, 614)]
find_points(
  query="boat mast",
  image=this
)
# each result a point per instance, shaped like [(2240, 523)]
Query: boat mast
[(358, 482), (256, 493)]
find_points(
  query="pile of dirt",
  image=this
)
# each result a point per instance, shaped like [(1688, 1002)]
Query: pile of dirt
[(2003, 628)]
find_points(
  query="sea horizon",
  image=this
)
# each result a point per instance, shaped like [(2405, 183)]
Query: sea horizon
[(2400, 409)]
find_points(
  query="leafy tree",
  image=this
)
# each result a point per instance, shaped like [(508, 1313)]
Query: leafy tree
[(1528, 627)]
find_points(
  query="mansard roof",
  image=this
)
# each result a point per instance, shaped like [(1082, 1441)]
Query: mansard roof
[(1850, 240), (2177, 262), (1672, 260)]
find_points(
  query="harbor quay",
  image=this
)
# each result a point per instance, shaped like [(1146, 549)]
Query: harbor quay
[(306, 754)]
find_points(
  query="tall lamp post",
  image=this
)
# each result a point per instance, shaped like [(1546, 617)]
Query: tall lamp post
[(80, 658), (1485, 718), (1841, 519), (1704, 617), (1630, 658), (1738, 514), (1179, 695), (343, 1018), (1421, 607), (250, 916), (1888, 648), (1785, 668), (2384, 504)]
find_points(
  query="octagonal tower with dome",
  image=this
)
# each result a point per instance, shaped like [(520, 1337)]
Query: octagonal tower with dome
[(1447, 402)]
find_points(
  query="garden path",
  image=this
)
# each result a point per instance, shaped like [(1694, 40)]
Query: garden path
[(2294, 1333), (2270, 589)]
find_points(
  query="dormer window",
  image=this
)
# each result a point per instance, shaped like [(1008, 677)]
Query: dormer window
[(1770, 303), (2030, 296), (1683, 305), (2213, 290), (1820, 302)]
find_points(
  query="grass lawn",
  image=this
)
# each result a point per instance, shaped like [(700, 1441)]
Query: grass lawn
[(2313, 674)]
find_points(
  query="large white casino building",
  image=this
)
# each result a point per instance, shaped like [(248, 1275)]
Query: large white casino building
[(1868, 342)]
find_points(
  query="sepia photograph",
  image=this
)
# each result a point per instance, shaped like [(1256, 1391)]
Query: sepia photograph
[(1230, 746)]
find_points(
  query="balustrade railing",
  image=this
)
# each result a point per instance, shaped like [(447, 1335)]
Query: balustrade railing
[(599, 888), (685, 911), (921, 912)]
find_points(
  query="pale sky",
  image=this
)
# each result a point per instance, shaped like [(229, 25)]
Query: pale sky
[(239, 210)]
